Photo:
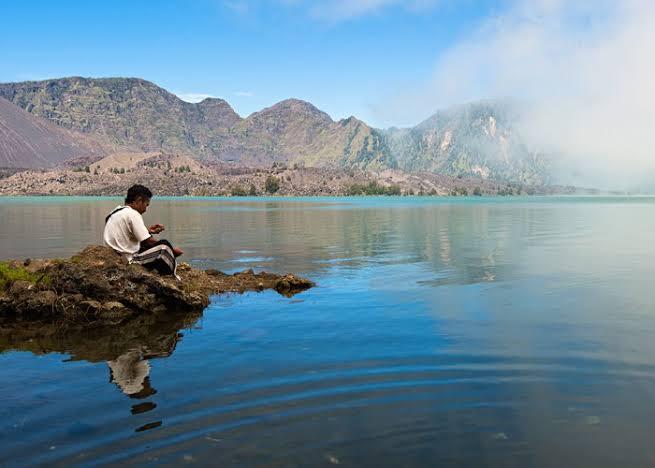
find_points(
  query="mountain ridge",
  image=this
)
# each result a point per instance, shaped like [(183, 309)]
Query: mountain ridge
[(472, 140)]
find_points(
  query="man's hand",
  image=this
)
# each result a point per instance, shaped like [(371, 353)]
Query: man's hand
[(156, 228), (177, 252)]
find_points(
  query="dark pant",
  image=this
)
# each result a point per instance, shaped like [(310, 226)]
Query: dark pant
[(159, 242), (162, 261)]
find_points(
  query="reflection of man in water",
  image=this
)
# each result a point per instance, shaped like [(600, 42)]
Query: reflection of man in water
[(130, 372)]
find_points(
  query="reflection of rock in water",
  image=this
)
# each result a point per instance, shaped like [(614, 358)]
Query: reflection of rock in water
[(152, 336)]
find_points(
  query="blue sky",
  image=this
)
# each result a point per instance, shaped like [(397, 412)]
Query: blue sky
[(584, 66), (348, 57)]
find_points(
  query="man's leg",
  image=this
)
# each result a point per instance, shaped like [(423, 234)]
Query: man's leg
[(159, 242), (157, 256)]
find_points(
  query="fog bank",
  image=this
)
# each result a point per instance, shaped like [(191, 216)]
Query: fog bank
[(585, 67)]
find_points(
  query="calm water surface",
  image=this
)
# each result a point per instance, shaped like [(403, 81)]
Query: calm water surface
[(469, 332)]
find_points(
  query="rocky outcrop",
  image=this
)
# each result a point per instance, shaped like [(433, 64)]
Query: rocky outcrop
[(97, 287)]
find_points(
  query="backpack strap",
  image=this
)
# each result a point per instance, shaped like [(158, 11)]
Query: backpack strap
[(114, 212)]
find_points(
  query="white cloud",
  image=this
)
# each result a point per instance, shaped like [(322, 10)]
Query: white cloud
[(332, 10), (340, 10), (194, 97), (244, 93), (586, 67), (240, 7)]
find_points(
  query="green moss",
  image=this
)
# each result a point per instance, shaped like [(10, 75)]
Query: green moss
[(9, 274)]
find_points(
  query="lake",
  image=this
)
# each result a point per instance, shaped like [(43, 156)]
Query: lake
[(442, 331)]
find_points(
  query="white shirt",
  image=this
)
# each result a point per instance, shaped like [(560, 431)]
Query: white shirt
[(125, 230)]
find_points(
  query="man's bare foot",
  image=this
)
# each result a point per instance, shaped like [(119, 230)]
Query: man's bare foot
[(177, 252)]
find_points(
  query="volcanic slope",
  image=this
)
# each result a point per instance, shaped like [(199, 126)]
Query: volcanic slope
[(28, 141)]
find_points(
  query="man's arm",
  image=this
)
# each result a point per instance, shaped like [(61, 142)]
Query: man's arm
[(141, 232), (147, 243)]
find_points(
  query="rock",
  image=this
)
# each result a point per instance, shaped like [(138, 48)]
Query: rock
[(112, 305), (97, 287), (282, 286), (91, 306), (44, 299), (20, 287)]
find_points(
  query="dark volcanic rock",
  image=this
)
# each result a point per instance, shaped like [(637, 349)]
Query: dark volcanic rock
[(98, 287)]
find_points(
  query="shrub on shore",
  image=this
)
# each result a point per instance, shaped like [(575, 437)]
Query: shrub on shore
[(238, 191), (372, 188), (272, 184)]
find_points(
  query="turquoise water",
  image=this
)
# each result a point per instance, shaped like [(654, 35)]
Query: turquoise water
[(468, 332)]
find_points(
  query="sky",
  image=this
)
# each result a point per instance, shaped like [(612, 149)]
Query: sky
[(347, 57), (584, 67)]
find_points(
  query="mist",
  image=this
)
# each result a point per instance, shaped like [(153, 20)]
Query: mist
[(586, 73)]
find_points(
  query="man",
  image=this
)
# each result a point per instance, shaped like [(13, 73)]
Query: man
[(126, 233)]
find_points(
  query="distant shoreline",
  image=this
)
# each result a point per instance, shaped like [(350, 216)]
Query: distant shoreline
[(179, 176), (382, 197)]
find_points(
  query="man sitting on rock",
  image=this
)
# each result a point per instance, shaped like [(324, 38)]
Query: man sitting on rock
[(126, 233)]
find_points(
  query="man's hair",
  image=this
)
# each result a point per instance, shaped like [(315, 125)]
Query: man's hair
[(137, 191)]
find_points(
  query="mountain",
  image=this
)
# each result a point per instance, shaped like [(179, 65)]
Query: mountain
[(124, 111), (474, 140), (135, 112), (477, 139), (296, 132), (27, 141)]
